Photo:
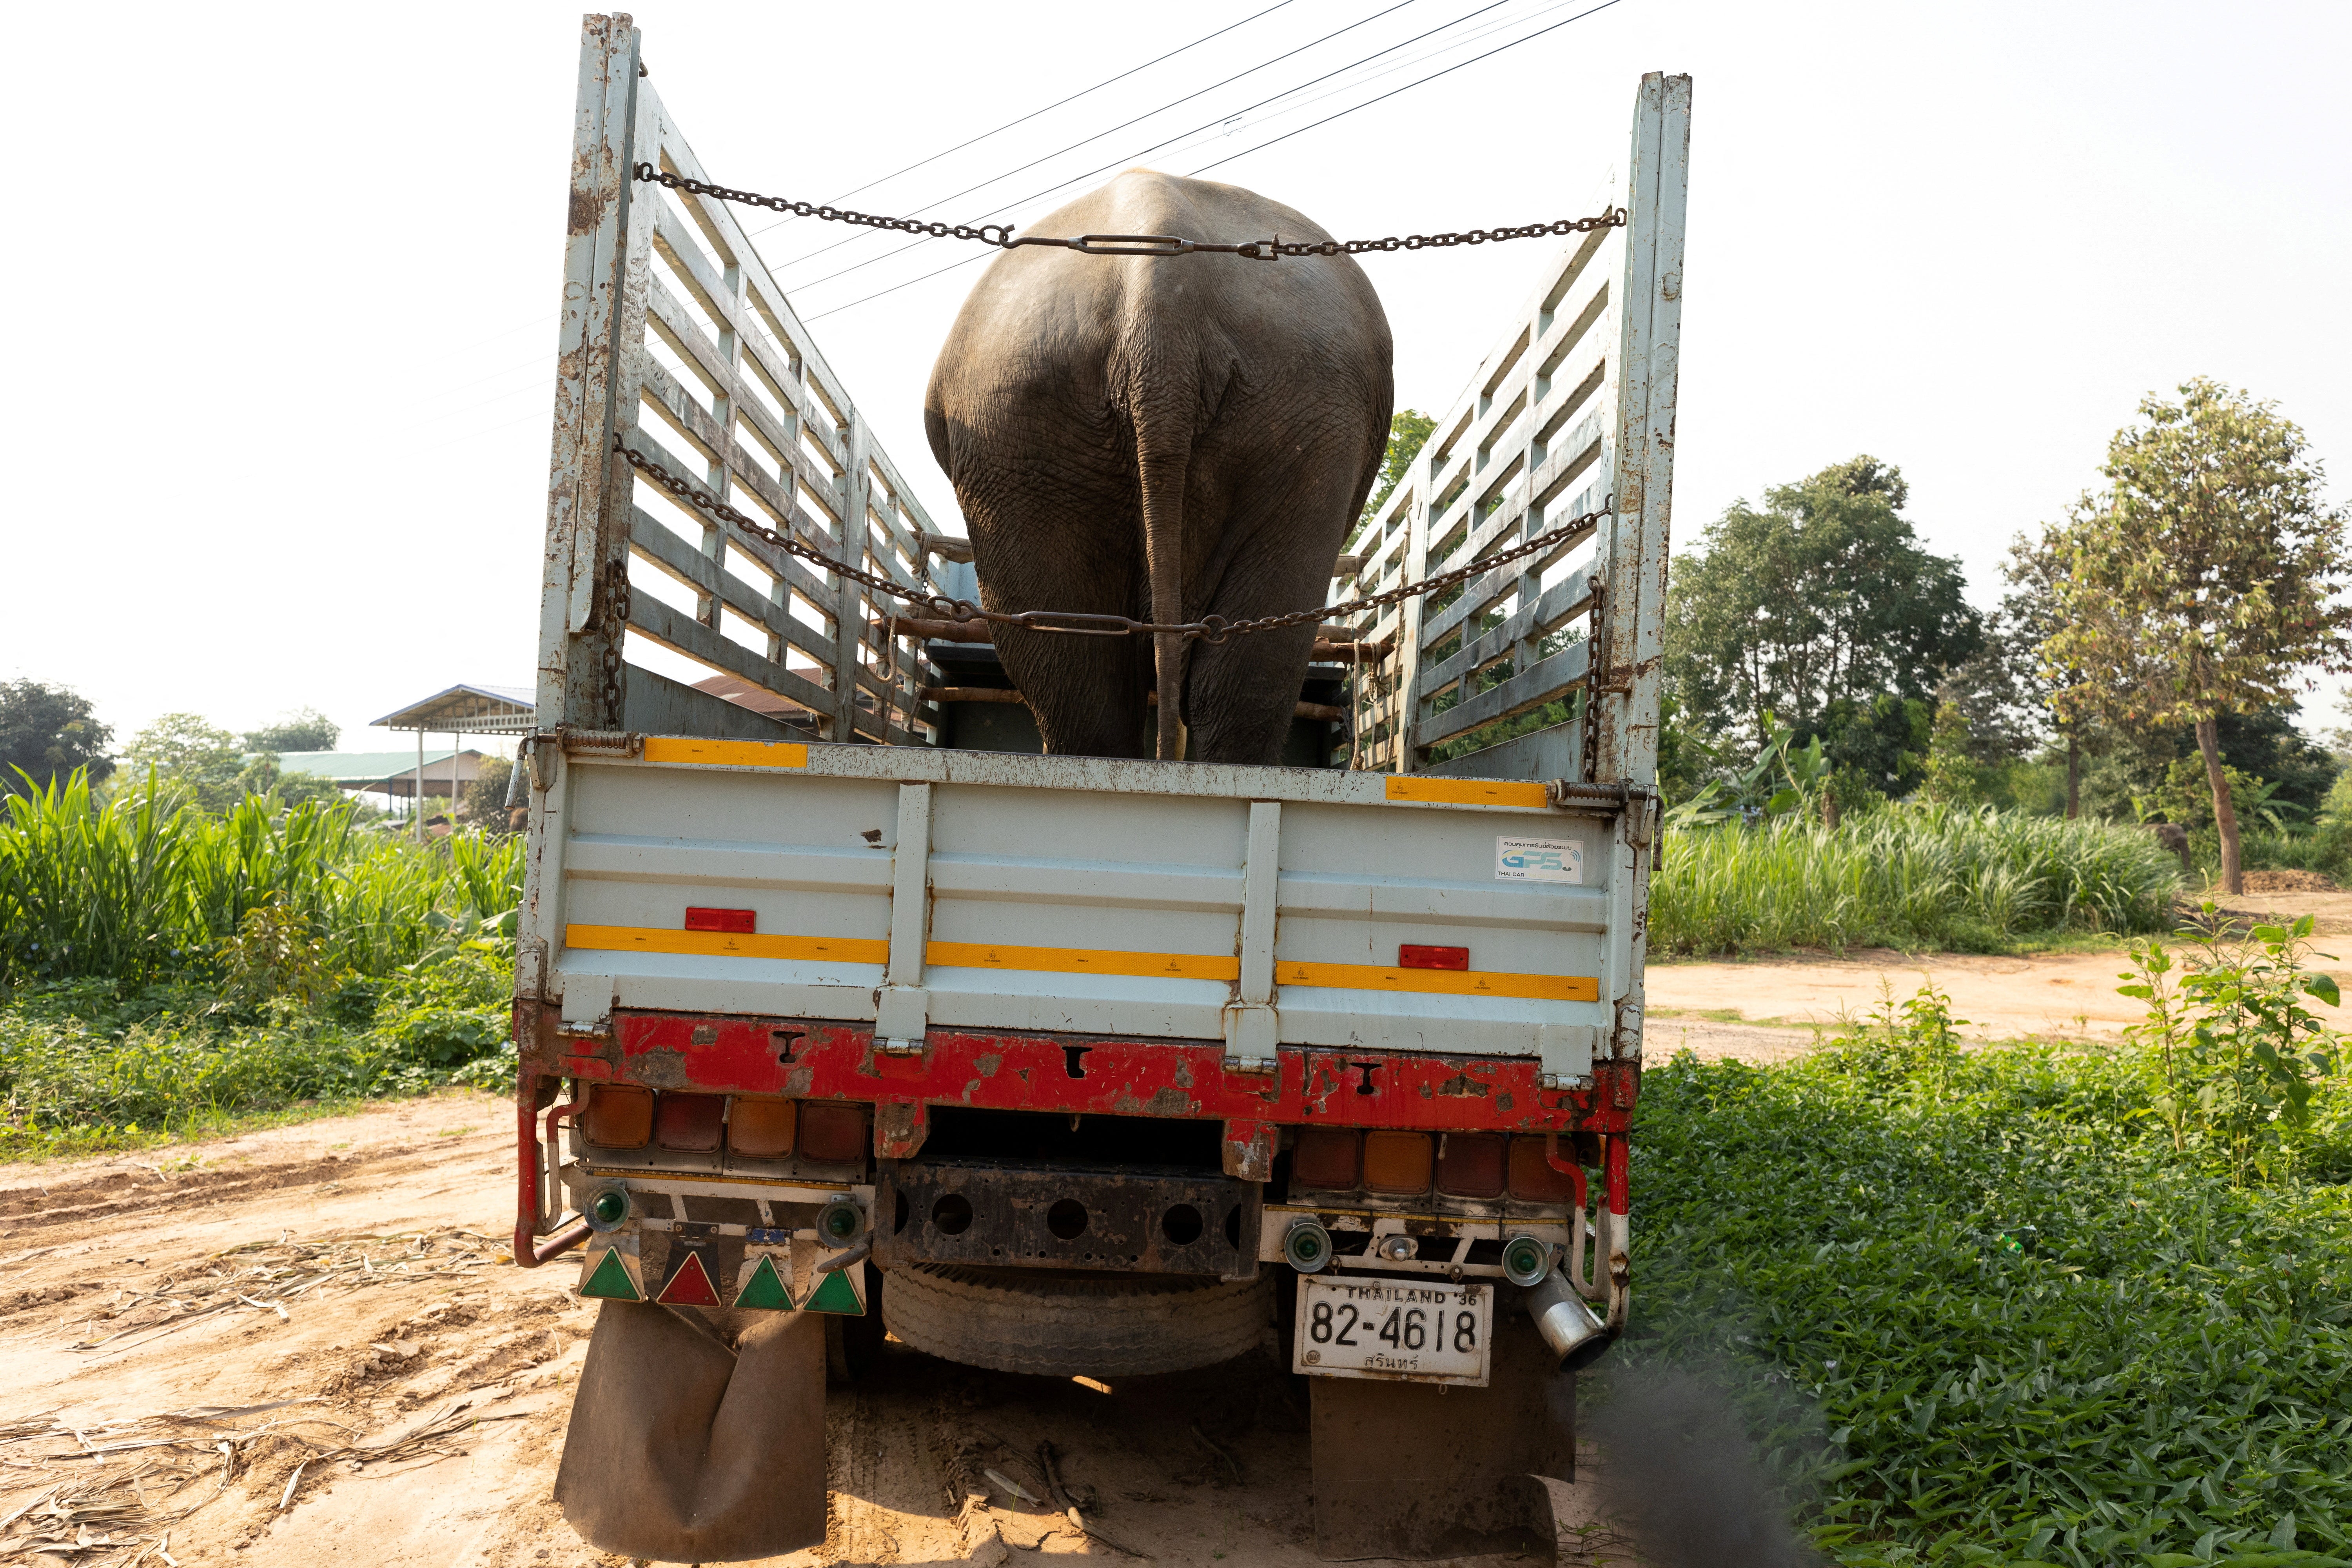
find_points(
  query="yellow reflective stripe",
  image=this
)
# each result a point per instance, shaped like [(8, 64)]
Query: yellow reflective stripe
[(1464, 792), (727, 753), (726, 943), (1441, 982), (1082, 960)]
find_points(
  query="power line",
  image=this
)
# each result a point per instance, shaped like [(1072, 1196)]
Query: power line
[(1033, 113), (820, 250), (1433, 76), (1156, 146), (1408, 87)]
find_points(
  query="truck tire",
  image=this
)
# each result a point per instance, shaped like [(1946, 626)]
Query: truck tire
[(1055, 1323)]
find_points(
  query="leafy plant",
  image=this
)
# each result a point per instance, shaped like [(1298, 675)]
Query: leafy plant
[(1986, 1314), (2234, 1053)]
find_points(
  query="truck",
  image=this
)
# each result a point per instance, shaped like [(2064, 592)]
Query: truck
[(842, 1014)]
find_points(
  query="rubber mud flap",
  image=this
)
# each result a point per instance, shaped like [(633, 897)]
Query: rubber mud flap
[(681, 1452), (1408, 1470)]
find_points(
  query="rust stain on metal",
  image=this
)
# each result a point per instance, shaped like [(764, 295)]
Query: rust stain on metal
[(664, 1066)]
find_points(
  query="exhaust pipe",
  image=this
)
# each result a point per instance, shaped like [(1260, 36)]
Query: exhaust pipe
[(1570, 1326)]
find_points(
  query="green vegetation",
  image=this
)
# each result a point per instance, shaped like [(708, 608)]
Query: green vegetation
[(2026, 1304), (163, 967), (1908, 877)]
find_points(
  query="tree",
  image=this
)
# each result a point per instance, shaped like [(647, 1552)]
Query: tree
[(2030, 615), (304, 730), (188, 751), (1409, 431), (1821, 595), (2203, 580), (49, 731), (482, 800)]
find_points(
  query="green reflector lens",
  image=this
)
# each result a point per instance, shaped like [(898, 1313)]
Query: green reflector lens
[(610, 1207), (840, 1220), (1526, 1260)]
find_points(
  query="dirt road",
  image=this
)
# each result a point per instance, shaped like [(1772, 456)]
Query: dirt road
[(1772, 1008), (342, 1287), (184, 1331)]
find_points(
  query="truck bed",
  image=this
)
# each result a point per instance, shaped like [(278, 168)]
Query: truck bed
[(909, 888)]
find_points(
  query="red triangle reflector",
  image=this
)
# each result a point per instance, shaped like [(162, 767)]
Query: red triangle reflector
[(689, 1285)]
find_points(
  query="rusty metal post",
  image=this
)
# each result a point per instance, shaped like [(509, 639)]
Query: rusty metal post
[(598, 373)]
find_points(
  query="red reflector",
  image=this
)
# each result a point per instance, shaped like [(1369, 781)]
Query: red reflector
[(691, 1285), (690, 1123), (1533, 1180), (1470, 1165), (722, 920), (1325, 1158), (1412, 955), (833, 1133)]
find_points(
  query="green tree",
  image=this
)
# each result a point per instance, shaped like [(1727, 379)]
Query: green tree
[(189, 751), (1820, 597), (48, 732), (304, 730), (482, 800), (2203, 580), (1409, 431)]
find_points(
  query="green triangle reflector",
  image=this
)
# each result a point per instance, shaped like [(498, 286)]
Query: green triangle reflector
[(611, 1280), (834, 1294), (764, 1288)]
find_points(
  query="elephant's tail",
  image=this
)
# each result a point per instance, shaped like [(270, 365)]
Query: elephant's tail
[(1163, 456)]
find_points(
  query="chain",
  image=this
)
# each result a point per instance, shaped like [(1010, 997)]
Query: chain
[(614, 591), (1001, 234), (1211, 629), (1599, 592)]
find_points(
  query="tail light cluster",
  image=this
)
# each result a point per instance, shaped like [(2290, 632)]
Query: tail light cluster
[(623, 1116), (1406, 1164)]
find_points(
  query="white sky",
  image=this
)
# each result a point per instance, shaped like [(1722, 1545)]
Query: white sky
[(286, 276)]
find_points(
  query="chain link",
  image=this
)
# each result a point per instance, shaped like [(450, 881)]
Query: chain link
[(1211, 629), (1002, 235), (613, 617)]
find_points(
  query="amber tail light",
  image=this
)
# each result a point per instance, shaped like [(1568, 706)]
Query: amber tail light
[(1533, 1180), (1470, 1165), (1398, 1162), (690, 1123), (762, 1129), (833, 1134), (1325, 1158), (619, 1116)]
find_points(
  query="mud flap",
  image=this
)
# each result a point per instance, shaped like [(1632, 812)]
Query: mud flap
[(683, 1451), (1406, 1469)]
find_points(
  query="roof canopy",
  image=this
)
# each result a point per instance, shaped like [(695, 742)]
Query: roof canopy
[(469, 710)]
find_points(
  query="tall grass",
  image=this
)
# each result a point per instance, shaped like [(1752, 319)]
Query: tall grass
[(1906, 877), (142, 887)]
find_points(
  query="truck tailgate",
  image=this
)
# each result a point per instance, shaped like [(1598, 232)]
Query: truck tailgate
[(979, 891)]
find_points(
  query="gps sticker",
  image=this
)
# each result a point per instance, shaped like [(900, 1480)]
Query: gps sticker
[(1539, 860)]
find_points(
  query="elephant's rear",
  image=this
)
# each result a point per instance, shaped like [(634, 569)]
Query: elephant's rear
[(1165, 437)]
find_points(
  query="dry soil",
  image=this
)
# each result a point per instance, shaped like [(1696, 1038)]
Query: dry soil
[(307, 1346)]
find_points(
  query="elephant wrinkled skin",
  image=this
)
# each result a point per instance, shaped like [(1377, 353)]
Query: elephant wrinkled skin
[(1165, 437)]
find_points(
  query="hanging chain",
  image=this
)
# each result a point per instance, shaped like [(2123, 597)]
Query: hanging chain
[(613, 617), (1211, 629), (1001, 233), (1599, 589)]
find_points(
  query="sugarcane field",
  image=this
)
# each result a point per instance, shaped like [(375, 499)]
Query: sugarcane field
[(977, 804)]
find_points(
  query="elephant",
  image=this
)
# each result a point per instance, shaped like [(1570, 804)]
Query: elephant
[(1164, 437)]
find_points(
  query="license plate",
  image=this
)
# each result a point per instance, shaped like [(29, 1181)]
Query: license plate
[(1351, 1327)]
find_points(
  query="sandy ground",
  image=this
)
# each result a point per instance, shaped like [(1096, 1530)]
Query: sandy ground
[(444, 1374), (185, 1440), (1772, 1008)]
